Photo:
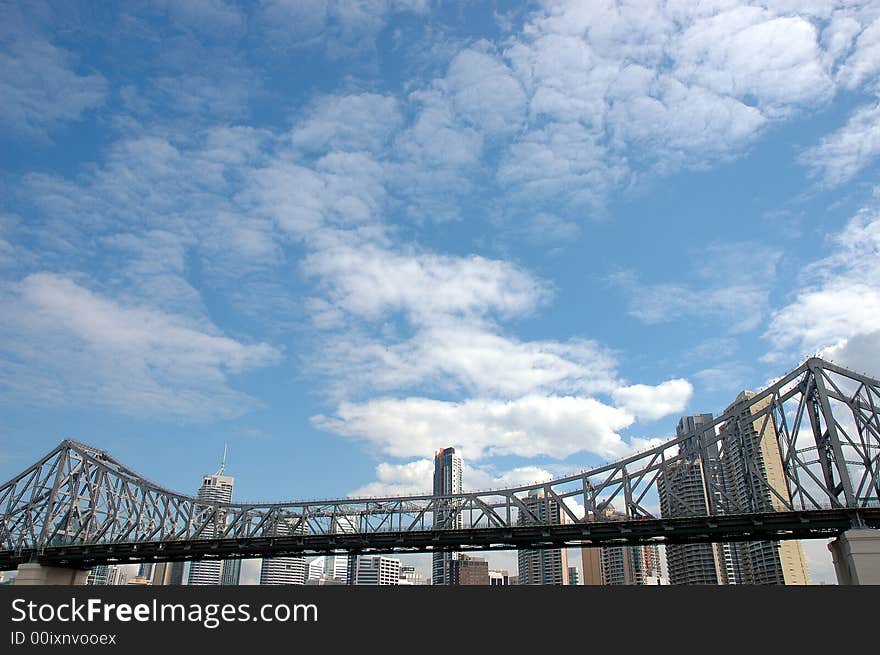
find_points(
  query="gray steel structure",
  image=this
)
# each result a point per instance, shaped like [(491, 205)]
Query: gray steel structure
[(78, 506)]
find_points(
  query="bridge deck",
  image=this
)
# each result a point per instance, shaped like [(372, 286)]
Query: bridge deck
[(813, 524)]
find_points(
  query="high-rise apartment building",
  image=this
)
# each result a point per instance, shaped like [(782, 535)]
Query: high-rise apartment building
[(106, 575), (574, 578), (168, 573), (288, 570), (685, 489), (755, 481), (466, 570), (231, 572), (547, 566), (215, 488), (376, 570), (621, 565), (447, 482)]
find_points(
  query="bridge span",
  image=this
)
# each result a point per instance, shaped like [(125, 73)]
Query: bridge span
[(798, 460)]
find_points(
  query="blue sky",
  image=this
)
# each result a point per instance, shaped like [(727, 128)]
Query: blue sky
[(340, 235)]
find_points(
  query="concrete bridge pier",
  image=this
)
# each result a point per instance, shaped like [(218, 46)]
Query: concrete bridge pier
[(856, 555), (38, 574)]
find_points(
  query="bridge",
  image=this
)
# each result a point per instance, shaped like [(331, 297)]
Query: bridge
[(798, 460)]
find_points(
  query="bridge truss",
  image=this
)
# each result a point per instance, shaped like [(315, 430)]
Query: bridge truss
[(800, 459)]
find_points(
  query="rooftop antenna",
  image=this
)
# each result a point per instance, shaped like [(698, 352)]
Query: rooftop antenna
[(223, 461)]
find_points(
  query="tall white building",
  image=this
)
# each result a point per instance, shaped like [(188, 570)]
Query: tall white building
[(376, 570), (546, 566), (289, 570), (215, 488), (447, 482), (336, 566)]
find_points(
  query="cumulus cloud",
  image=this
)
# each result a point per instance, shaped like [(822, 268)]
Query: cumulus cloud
[(367, 280), (64, 344), (837, 313), (472, 359), (557, 426), (416, 477), (485, 92), (653, 402)]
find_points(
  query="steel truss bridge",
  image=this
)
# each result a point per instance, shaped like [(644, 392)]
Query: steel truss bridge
[(79, 507)]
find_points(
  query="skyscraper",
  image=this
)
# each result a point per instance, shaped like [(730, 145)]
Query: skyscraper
[(336, 566), (215, 488), (231, 572), (168, 573), (756, 482), (621, 565), (682, 488), (447, 482), (288, 570), (547, 566)]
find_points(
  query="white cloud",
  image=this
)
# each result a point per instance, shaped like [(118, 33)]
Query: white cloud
[(64, 344), (368, 280), (748, 51), (474, 359), (485, 92), (40, 88), (864, 62), (728, 277), (845, 152), (363, 121), (416, 477), (533, 425), (653, 402), (838, 313)]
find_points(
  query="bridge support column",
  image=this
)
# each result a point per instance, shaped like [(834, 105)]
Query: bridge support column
[(37, 574), (856, 555)]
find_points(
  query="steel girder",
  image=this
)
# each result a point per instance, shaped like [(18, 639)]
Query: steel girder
[(808, 442)]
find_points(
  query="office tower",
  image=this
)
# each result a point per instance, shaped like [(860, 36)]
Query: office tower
[(168, 573), (684, 489), (215, 488), (548, 566), (288, 570), (336, 566), (447, 482), (574, 578), (466, 570), (621, 565), (231, 572), (499, 578), (145, 571), (376, 570), (756, 483)]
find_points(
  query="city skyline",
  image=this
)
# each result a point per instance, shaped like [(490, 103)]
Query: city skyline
[(340, 239)]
